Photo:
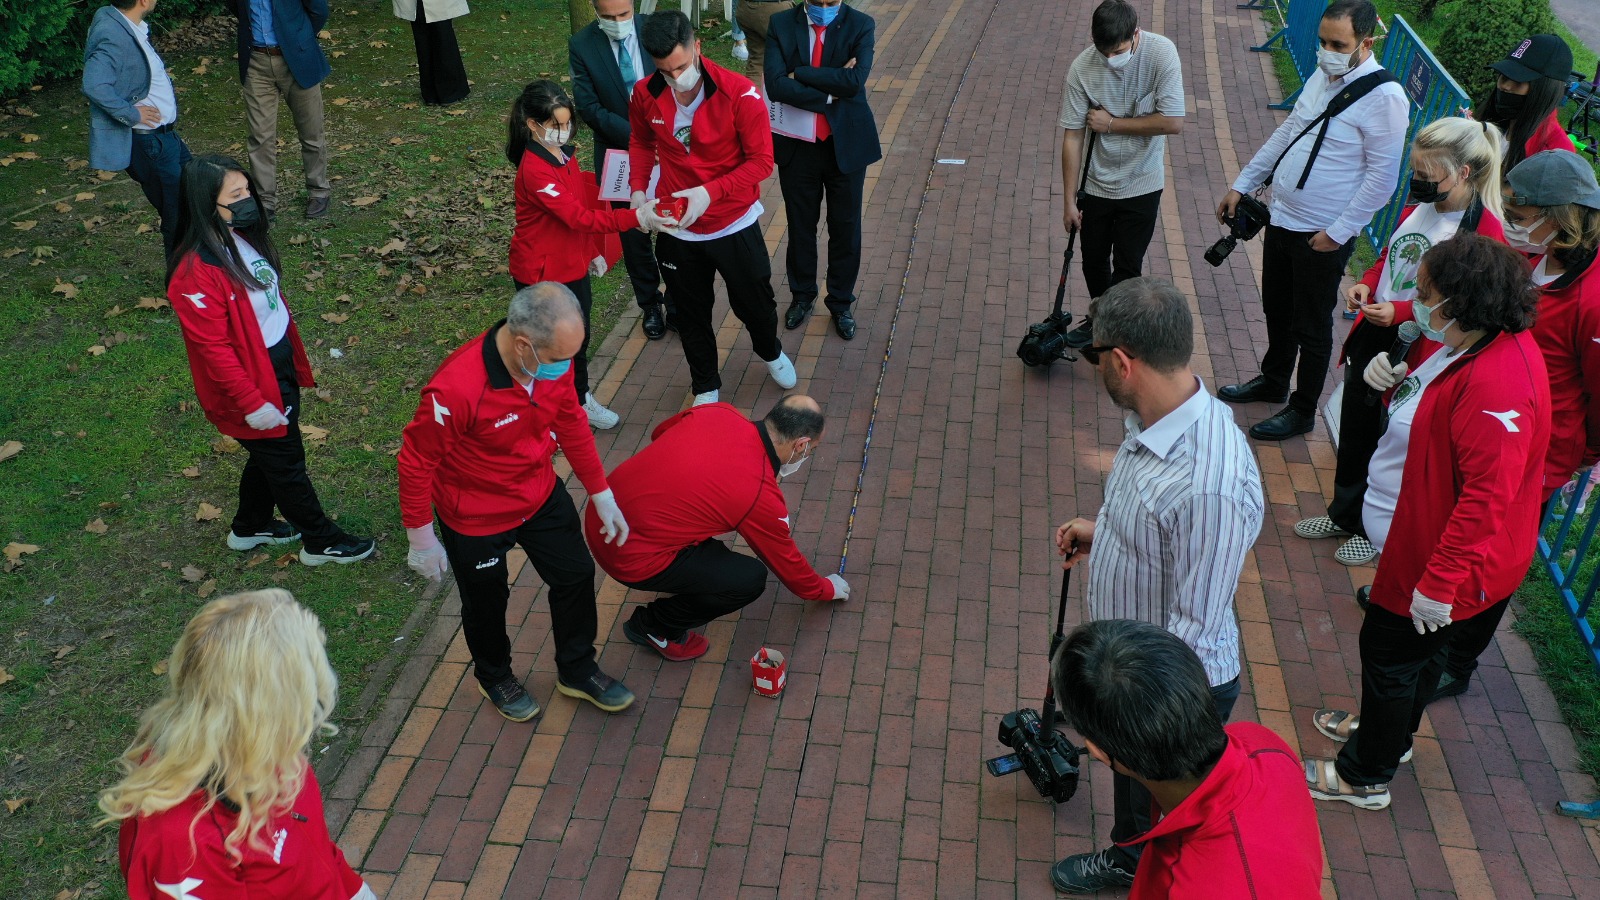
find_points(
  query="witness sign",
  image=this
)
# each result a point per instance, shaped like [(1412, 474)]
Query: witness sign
[(792, 122), (614, 177)]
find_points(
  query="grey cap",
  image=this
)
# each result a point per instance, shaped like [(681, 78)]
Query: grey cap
[(1554, 178)]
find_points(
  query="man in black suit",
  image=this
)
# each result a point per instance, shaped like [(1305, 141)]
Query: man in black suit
[(818, 58), (602, 89)]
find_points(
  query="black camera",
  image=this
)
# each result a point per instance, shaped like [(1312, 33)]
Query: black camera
[(1249, 217), (1046, 341), (1042, 753)]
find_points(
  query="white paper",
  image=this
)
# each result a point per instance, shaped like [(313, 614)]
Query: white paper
[(791, 121), (614, 177)]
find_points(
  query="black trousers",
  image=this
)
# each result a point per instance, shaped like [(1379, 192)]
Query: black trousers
[(639, 257), (157, 164), (1399, 672), (1114, 238), (580, 363), (1362, 420), (1131, 802), (706, 581), (554, 543), (275, 473), (809, 177), (439, 67), (1299, 289), (690, 269)]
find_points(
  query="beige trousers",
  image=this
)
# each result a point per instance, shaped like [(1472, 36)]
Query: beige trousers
[(269, 79), (753, 18)]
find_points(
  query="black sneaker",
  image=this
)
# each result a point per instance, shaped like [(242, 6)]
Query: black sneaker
[(1082, 336), (510, 700), (1087, 873), (346, 550), (600, 689), (279, 532)]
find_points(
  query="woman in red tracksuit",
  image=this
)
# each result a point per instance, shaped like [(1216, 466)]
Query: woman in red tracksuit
[(1465, 454), (247, 360), (1530, 85), (560, 218)]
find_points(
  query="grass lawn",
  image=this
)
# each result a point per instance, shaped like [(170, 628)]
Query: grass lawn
[(117, 459)]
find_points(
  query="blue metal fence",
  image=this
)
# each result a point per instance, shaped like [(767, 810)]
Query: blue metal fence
[(1298, 36), (1564, 556), (1433, 94)]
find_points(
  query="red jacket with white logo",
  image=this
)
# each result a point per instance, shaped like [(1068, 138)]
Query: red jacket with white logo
[(479, 449), (1568, 331), (559, 219), (707, 471), (1249, 830), (1550, 135), (228, 358), (174, 854), (1467, 516), (730, 144)]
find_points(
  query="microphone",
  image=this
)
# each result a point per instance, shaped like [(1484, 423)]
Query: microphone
[(1408, 334)]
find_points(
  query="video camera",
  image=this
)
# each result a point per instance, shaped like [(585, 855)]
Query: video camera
[(1249, 217)]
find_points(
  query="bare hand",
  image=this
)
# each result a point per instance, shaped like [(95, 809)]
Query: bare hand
[(149, 116), (1099, 121), (1230, 203), (1356, 297), (1321, 243), (1073, 541), (851, 64), (1073, 217), (1380, 314)]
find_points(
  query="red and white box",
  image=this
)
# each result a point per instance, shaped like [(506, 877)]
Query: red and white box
[(769, 670)]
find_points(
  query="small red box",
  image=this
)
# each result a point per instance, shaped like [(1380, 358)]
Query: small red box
[(769, 671), (673, 207)]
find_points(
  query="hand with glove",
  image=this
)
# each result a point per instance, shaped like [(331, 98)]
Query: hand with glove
[(699, 201), (1428, 615), (841, 589), (426, 557), (1380, 376), (650, 220), (597, 267), (612, 525), (637, 199), (266, 418)]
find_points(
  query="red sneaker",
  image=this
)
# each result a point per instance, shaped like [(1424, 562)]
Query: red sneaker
[(690, 646)]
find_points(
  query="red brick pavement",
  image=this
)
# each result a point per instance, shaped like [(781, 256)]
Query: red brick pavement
[(865, 778)]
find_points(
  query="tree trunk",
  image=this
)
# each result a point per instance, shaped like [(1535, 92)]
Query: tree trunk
[(581, 12)]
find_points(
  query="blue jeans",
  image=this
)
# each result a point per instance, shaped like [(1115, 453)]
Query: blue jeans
[(738, 33), (157, 164)]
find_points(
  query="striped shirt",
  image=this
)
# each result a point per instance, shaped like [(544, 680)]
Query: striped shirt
[(1126, 165), (1182, 507)]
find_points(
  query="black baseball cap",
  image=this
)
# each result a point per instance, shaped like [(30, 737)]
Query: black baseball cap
[(1541, 56)]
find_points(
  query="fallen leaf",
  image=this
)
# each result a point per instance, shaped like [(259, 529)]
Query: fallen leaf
[(285, 559), (207, 512), (25, 226), (393, 245), (312, 433), (192, 574), (359, 201), (61, 652), (153, 303), (206, 589), (298, 239), (97, 350), (6, 676), (144, 228), (191, 472), (363, 608), (83, 196), (10, 449), (30, 138), (324, 35), (338, 53), (63, 207), (25, 154), (110, 505), (115, 311), (256, 560), (198, 70), (13, 805), (159, 668), (14, 551), (455, 112), (341, 101), (434, 159), (93, 222), (41, 252), (105, 176), (98, 526), (378, 44), (14, 251), (336, 318), (225, 444), (396, 141)]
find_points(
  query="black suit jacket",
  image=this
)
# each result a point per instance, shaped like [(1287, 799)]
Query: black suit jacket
[(793, 80), (597, 87)]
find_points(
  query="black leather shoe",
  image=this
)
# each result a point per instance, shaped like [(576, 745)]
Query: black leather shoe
[(1450, 686), (1364, 596), (799, 311), (655, 328), (1082, 336), (1253, 391), (1284, 425), (845, 325)]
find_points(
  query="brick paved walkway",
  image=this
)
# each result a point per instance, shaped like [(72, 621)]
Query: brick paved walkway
[(865, 779)]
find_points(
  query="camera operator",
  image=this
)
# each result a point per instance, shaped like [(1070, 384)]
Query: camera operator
[(1347, 130), (1234, 819), (1128, 89), (1182, 507)]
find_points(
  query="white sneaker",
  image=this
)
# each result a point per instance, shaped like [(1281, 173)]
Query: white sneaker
[(741, 51), (782, 371), (708, 397), (599, 416)]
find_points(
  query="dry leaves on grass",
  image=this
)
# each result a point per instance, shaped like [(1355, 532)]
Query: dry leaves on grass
[(30, 138), (13, 805), (10, 449), (336, 318), (208, 588), (115, 311), (314, 435), (98, 526), (97, 350), (191, 472), (192, 574), (393, 245), (83, 196), (359, 201), (159, 668), (153, 303), (61, 652), (6, 676), (14, 553), (206, 512), (26, 225), (225, 444), (256, 560)]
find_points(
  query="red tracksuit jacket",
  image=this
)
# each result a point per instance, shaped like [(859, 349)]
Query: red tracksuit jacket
[(560, 219), (730, 144), (227, 357), (1568, 331), (1548, 136), (1467, 517), (707, 471), (1248, 831), (161, 857), (479, 449)]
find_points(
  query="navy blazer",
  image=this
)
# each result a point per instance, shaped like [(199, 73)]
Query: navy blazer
[(296, 23), (115, 75), (791, 79), (597, 89)]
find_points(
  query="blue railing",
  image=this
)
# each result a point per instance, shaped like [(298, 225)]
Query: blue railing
[(1433, 94), (1298, 36), (1565, 558)]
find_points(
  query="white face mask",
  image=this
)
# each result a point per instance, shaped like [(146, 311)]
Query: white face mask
[(689, 80), (1423, 313), (1335, 64), (792, 466), (616, 30), (1521, 236), (1118, 62), (558, 137)]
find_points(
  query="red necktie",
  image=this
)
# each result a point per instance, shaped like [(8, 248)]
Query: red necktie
[(823, 131)]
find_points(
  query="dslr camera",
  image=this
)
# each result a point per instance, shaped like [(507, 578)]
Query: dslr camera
[(1249, 217), (1046, 341), (1042, 753)]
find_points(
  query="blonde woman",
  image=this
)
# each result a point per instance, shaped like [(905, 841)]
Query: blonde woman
[(218, 799)]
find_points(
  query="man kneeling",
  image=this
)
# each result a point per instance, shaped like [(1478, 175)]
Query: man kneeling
[(1235, 820), (709, 471)]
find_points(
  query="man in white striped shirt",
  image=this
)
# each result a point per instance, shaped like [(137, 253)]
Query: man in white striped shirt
[(1182, 507)]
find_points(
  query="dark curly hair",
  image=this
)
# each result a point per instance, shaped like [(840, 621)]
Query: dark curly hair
[(1483, 284)]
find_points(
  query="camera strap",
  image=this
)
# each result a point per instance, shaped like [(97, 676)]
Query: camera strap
[(1342, 101)]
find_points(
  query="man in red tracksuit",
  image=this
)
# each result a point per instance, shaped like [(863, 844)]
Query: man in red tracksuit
[(709, 471), (478, 453), (709, 131)]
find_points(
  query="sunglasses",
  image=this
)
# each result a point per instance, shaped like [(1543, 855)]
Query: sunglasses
[(1092, 354)]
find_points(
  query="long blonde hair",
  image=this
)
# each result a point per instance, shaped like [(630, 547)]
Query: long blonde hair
[(249, 686), (1458, 142)]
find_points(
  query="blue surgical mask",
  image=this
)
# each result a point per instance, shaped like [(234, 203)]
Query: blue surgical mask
[(546, 371), (1424, 316), (822, 15)]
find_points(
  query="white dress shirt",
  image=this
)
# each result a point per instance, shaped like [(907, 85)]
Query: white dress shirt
[(161, 95)]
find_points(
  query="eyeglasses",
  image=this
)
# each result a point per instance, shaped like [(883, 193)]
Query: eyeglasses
[(1092, 354), (1515, 219)]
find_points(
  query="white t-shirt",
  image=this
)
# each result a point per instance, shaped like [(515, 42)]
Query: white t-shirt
[(1425, 227), (271, 313), (682, 119), (1541, 273), (1389, 460)]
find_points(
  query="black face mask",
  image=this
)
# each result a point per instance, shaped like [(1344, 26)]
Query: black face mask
[(1424, 191), (245, 213), (1507, 106)]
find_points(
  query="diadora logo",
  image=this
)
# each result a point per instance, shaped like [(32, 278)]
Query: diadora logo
[(658, 121), (180, 890), (506, 421), (549, 189), (752, 93), (1507, 419), (277, 848), (667, 265), (487, 563), (439, 411), (195, 299)]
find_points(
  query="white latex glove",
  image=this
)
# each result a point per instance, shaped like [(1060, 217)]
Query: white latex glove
[(266, 418), (636, 200), (612, 525), (597, 266), (650, 220), (699, 201), (841, 589), (426, 557), (1380, 376), (1428, 615)]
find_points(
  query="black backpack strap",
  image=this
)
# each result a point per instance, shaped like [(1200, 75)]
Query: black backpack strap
[(1471, 217), (1342, 101)]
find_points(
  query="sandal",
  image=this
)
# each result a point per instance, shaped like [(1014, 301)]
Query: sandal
[(1322, 778), (1318, 527), (1358, 551), (1338, 725)]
